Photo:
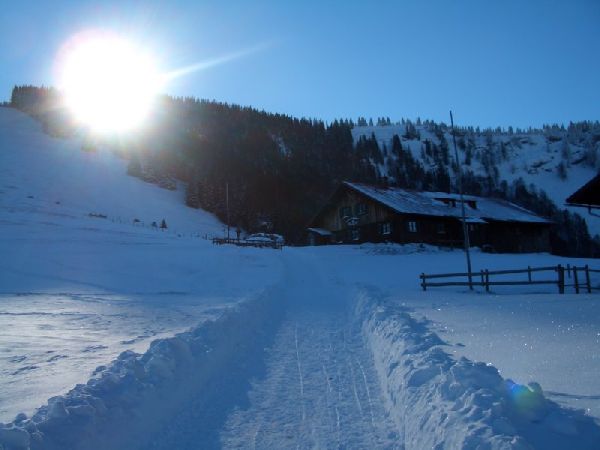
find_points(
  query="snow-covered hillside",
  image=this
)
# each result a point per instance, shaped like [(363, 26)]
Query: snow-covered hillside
[(535, 156), (56, 178)]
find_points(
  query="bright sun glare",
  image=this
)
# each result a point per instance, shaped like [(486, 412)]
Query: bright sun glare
[(109, 82)]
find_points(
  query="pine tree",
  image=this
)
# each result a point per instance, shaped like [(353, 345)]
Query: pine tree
[(134, 168), (565, 153), (561, 170)]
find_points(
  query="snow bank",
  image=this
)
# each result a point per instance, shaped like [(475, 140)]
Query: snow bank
[(390, 249), (125, 404), (440, 402)]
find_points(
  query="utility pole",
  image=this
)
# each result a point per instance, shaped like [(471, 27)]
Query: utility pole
[(462, 205), (227, 206)]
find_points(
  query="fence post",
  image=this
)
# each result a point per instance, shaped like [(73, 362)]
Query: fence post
[(587, 279), (529, 273), (575, 278), (569, 270), (561, 279), (482, 278), (487, 280), (423, 284)]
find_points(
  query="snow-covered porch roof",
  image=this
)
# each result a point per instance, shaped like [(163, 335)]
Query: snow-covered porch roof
[(320, 231), (474, 220)]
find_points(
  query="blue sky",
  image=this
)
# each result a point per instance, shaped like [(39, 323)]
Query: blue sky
[(509, 62)]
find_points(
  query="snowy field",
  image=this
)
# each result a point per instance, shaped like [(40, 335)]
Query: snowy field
[(73, 295), (117, 335), (538, 335)]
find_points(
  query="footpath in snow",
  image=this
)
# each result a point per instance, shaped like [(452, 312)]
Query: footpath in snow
[(320, 388), (309, 363)]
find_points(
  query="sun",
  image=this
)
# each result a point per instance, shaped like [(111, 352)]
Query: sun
[(109, 83)]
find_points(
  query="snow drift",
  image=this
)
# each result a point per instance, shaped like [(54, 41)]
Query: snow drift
[(440, 402), (128, 403)]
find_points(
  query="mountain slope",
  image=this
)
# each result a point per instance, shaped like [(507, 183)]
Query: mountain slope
[(51, 177), (555, 160)]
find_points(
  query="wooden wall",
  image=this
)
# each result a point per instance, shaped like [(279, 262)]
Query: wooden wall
[(518, 237)]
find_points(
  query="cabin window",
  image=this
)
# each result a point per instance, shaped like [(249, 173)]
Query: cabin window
[(472, 204), (386, 228), (361, 209), (412, 226), (441, 228), (355, 234), (447, 201), (345, 211)]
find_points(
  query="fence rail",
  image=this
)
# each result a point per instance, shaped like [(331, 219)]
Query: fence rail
[(580, 276)]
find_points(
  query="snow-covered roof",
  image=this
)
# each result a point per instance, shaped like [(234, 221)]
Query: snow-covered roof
[(473, 220), (320, 231), (588, 194), (432, 204)]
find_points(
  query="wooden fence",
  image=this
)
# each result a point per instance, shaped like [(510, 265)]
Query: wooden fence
[(245, 243), (578, 277)]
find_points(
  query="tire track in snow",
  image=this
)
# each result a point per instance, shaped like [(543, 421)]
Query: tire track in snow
[(300, 375), (337, 411), (358, 404), (370, 402)]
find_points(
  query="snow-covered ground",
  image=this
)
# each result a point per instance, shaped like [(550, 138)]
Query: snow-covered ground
[(129, 337), (528, 333), (335, 353)]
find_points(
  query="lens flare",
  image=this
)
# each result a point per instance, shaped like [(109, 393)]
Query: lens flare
[(109, 83), (527, 402)]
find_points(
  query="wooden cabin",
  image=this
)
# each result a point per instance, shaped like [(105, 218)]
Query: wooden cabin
[(359, 213), (587, 196)]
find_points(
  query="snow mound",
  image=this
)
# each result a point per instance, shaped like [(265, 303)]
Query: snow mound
[(134, 399), (391, 249), (440, 402)]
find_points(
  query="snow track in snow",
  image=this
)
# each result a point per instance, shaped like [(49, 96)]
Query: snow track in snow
[(320, 378), (330, 409)]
